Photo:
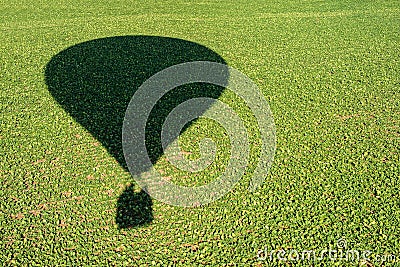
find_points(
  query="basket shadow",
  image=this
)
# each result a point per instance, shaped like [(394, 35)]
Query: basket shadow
[(133, 208), (95, 80)]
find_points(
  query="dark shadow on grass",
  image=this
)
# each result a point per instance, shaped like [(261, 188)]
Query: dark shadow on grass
[(95, 80), (134, 208)]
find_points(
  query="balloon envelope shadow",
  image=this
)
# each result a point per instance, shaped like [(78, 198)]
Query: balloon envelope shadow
[(94, 82)]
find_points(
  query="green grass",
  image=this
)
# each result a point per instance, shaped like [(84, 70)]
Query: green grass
[(329, 70)]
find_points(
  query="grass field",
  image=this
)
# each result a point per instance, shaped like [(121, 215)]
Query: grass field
[(328, 69)]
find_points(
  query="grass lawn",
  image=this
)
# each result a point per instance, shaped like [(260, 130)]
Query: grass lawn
[(328, 69)]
